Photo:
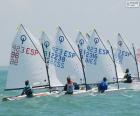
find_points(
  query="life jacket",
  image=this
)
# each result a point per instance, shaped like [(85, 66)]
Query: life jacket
[(28, 91), (70, 88), (103, 86), (128, 77), (76, 86)]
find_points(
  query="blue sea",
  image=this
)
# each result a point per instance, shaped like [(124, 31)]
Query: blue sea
[(119, 103)]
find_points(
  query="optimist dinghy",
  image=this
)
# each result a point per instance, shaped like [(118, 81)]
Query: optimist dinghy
[(26, 62), (48, 64)]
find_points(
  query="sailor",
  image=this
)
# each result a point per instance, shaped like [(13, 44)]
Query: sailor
[(76, 86), (103, 85), (127, 76), (27, 89), (69, 86)]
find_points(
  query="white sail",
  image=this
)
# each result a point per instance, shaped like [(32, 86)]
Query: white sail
[(87, 36), (80, 39), (26, 61), (82, 44), (125, 58), (64, 59), (46, 44), (99, 64), (120, 72)]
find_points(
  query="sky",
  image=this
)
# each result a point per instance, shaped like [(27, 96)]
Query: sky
[(108, 17)]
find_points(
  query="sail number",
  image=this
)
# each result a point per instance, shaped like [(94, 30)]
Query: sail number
[(58, 57), (121, 54), (21, 49), (57, 60), (17, 50), (90, 54), (14, 58)]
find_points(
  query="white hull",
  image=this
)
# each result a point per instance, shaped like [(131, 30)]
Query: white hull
[(135, 85), (122, 86), (77, 92)]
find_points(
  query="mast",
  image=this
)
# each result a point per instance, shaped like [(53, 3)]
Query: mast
[(83, 68), (136, 60), (46, 69), (134, 56), (114, 63), (113, 59)]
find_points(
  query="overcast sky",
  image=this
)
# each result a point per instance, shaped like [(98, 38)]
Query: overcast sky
[(108, 16)]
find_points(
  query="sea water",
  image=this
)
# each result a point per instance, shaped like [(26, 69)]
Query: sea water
[(119, 103)]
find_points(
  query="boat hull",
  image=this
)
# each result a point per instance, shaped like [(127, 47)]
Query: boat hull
[(112, 88)]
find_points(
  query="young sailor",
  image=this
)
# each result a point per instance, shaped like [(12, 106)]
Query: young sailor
[(69, 86), (127, 76), (27, 90), (103, 85), (76, 86)]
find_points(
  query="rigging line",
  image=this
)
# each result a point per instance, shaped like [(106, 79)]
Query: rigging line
[(83, 67), (33, 43), (79, 49), (46, 68), (87, 35), (126, 45), (136, 60), (83, 37), (114, 63), (69, 43), (103, 44)]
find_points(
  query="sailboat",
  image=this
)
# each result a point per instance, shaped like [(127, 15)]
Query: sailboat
[(125, 57), (99, 63), (64, 60), (46, 47), (47, 64), (26, 63), (29, 61)]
